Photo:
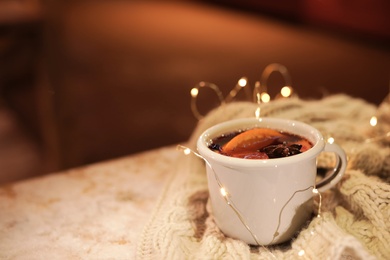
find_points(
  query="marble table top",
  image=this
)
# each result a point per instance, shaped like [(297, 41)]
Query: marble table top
[(93, 212)]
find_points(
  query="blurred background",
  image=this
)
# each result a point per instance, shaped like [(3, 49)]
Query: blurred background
[(85, 81)]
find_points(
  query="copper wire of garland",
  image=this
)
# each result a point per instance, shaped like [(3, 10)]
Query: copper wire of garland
[(259, 95), (228, 199)]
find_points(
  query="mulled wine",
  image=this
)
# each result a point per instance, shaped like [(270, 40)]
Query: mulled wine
[(260, 143)]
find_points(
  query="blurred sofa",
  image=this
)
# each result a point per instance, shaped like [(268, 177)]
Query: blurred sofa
[(114, 77)]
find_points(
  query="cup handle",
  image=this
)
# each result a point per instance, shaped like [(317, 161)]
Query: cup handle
[(338, 170)]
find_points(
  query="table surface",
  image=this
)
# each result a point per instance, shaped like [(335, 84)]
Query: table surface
[(96, 211)]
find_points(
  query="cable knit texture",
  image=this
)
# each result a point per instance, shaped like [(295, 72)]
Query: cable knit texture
[(354, 218)]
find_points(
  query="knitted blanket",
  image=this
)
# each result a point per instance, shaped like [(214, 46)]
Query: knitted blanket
[(354, 217)]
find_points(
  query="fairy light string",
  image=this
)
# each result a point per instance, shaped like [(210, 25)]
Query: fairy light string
[(195, 93), (286, 91), (259, 96), (242, 84), (227, 196)]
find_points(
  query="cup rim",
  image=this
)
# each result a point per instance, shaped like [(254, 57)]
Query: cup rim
[(288, 125)]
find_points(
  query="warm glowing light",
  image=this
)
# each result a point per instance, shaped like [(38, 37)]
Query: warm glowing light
[(265, 97), (331, 140), (223, 192), (187, 151), (258, 98), (286, 91), (194, 92), (257, 112), (242, 82), (373, 121), (301, 252), (315, 191)]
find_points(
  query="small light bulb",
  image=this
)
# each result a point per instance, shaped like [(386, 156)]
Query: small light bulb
[(187, 151), (242, 82), (265, 97), (223, 192), (286, 91), (194, 92), (257, 112), (331, 140), (301, 252), (373, 121)]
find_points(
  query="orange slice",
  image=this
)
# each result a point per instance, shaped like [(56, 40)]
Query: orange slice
[(250, 141)]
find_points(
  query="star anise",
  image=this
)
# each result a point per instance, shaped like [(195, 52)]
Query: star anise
[(282, 150)]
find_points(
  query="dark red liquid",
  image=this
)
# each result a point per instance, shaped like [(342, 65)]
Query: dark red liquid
[(260, 143)]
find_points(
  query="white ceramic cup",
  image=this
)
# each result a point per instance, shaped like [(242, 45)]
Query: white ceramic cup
[(264, 202)]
